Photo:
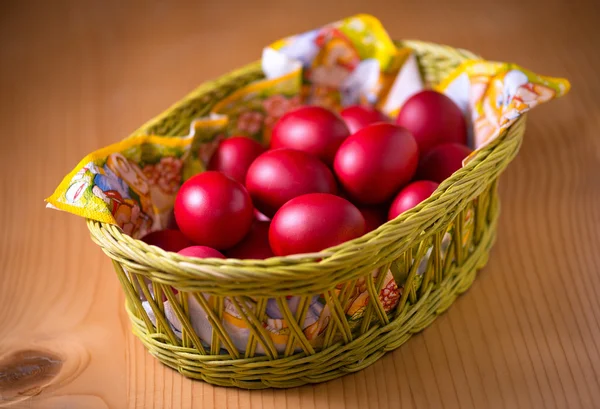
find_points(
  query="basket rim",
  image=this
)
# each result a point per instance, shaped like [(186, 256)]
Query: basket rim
[(175, 268)]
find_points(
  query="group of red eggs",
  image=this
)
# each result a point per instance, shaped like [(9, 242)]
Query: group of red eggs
[(326, 179)]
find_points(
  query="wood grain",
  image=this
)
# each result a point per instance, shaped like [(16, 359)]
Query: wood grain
[(75, 76)]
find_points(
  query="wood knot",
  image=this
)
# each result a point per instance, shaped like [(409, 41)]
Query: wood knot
[(26, 373)]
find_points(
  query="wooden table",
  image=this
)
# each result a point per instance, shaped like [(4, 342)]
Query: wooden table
[(75, 76)]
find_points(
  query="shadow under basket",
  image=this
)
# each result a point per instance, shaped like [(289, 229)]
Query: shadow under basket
[(433, 252)]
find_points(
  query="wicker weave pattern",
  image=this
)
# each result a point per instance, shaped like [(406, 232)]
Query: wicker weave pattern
[(398, 246)]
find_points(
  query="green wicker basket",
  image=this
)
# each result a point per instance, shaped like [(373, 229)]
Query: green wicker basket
[(434, 252)]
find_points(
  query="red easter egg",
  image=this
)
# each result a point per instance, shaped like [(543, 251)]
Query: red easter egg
[(374, 216), (168, 240), (255, 245), (214, 210), (313, 222), (442, 161), (280, 175), (359, 116), (197, 252), (376, 162), (410, 196), (433, 119), (234, 156), (201, 252), (312, 129)]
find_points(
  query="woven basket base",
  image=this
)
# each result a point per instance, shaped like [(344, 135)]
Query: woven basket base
[(327, 364)]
